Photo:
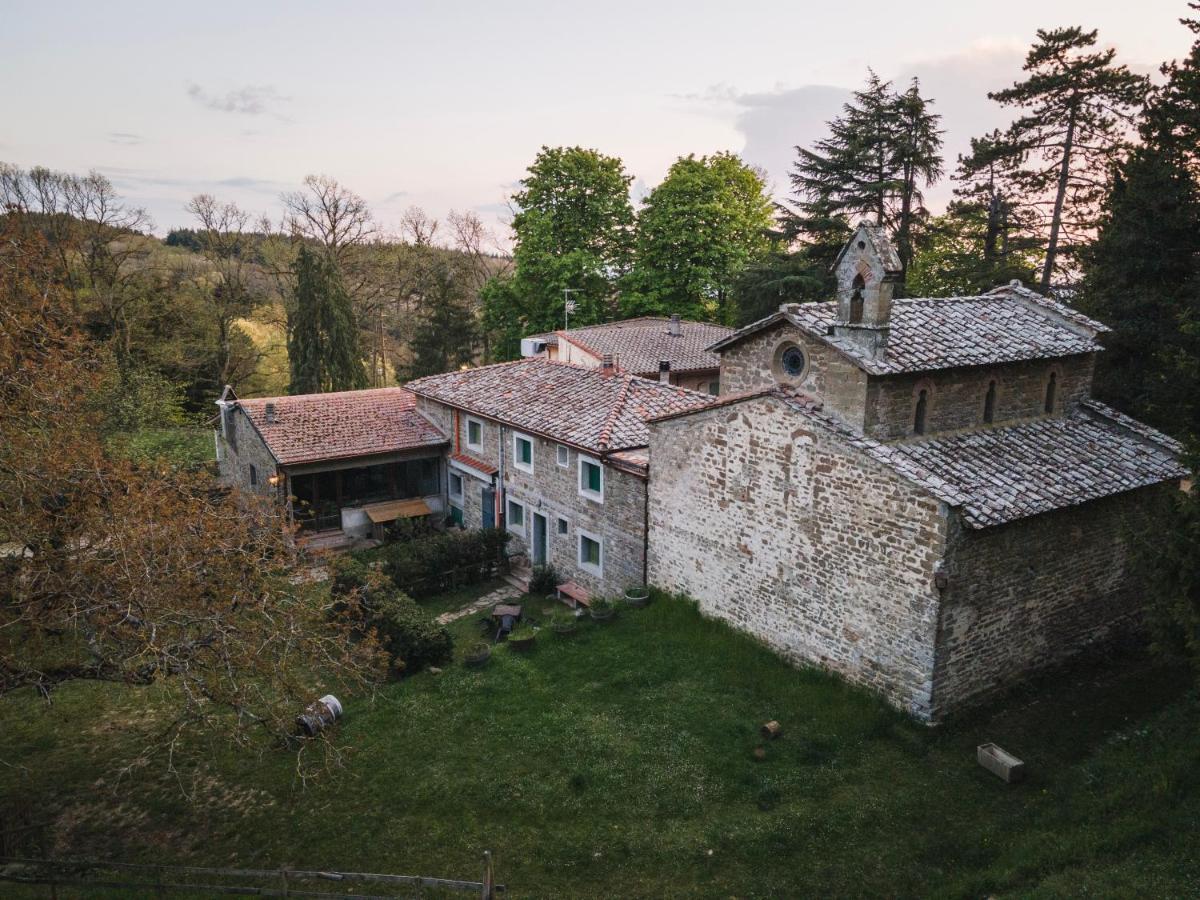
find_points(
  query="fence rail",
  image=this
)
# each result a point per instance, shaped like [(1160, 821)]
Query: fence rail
[(161, 880)]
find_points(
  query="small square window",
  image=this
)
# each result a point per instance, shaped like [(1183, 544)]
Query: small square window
[(523, 452), (474, 434), (564, 456), (456, 485), (591, 479), (516, 517), (591, 554), (562, 525)]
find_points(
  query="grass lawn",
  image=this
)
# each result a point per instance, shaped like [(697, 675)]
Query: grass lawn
[(619, 763)]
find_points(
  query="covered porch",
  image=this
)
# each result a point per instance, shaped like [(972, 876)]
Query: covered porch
[(363, 498)]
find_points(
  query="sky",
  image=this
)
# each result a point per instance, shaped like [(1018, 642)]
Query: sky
[(444, 105)]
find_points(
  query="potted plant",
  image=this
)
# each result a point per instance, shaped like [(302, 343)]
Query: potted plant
[(522, 637), (564, 622), (637, 597), (602, 609), (478, 654)]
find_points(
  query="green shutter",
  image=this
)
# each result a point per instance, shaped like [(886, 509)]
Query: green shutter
[(593, 477), (526, 450)]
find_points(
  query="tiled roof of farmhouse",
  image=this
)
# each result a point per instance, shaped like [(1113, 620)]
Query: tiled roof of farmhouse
[(588, 408), (343, 424), (637, 345), (997, 475), (1008, 324)]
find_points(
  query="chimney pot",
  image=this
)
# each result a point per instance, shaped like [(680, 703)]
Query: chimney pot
[(270, 413), (676, 329), (664, 371), (606, 362)]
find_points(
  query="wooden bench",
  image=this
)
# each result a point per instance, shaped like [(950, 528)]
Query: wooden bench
[(577, 594)]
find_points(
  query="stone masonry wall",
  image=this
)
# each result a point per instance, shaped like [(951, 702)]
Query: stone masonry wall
[(234, 464), (752, 365), (775, 525), (956, 396), (552, 490), (1031, 593)]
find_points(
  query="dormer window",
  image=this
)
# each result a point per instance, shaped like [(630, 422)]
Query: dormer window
[(989, 404), (921, 412), (856, 299), (1051, 391)]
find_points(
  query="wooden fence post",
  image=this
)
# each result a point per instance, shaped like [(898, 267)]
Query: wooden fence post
[(489, 887)]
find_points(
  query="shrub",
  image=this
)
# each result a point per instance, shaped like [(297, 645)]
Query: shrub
[(407, 632), (427, 564), (544, 580), (349, 574)]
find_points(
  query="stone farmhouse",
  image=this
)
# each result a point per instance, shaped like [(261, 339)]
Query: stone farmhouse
[(671, 350), (919, 494)]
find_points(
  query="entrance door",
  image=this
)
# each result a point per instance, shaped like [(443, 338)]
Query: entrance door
[(539, 539), (488, 501)]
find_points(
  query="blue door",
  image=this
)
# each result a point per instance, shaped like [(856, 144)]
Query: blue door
[(488, 501)]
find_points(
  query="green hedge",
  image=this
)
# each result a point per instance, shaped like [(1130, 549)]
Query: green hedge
[(431, 564), (408, 633)]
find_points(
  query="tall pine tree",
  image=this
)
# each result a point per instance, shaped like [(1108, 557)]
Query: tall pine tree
[(1078, 106), (323, 352), (1142, 274), (880, 154)]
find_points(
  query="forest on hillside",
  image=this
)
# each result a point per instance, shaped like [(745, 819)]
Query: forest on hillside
[(1089, 194)]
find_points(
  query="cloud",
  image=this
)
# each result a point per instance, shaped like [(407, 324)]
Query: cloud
[(394, 197), (249, 183), (774, 122), (251, 100), (125, 137)]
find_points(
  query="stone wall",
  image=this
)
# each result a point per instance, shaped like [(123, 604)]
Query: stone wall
[(1031, 593), (752, 365), (553, 491), (776, 525), (247, 449), (956, 396)]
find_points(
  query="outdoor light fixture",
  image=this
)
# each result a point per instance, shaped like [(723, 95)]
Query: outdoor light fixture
[(274, 480)]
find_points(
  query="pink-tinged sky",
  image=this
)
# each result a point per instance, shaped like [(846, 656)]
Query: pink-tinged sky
[(443, 104)]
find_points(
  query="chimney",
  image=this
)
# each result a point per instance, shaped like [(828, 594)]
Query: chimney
[(675, 329), (664, 371), (606, 364), (270, 412)]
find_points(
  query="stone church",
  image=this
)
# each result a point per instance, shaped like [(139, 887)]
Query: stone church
[(919, 494)]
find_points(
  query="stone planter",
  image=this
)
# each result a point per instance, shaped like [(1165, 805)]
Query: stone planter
[(477, 659), (522, 644), (1000, 763), (565, 629), (637, 597), (604, 614)]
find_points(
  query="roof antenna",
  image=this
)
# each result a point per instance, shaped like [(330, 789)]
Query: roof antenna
[(568, 306)]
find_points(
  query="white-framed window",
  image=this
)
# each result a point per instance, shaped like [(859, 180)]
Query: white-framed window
[(564, 456), (516, 517), (456, 485), (561, 525), (523, 452), (591, 553), (591, 478), (474, 434)]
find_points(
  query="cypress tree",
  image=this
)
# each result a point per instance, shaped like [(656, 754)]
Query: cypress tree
[(323, 353)]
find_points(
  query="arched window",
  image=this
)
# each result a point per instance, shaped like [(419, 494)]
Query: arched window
[(856, 299), (989, 404), (921, 411), (1051, 390)]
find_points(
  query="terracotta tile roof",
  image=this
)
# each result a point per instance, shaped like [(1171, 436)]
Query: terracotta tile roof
[(477, 464), (315, 427), (997, 475), (585, 407), (637, 345), (1008, 324)]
